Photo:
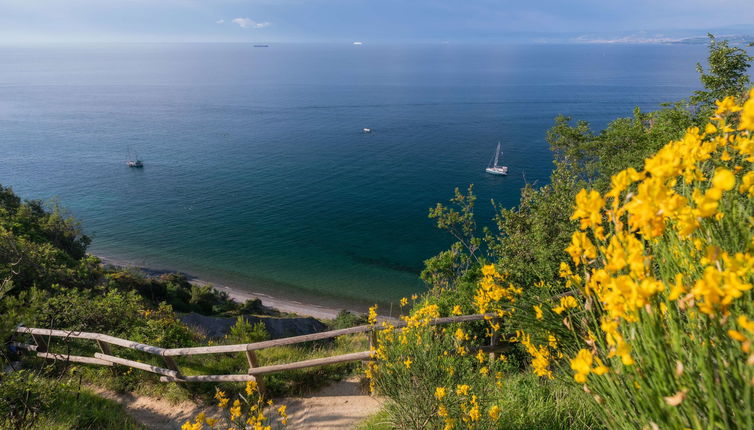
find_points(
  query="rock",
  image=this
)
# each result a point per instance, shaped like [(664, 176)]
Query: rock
[(217, 327)]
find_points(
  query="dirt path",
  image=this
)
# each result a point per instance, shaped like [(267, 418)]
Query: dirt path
[(340, 406), (154, 413)]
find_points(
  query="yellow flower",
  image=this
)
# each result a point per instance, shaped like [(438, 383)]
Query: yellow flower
[(600, 368), (567, 302), (745, 323), (480, 356), (222, 401), (736, 335), (235, 411), (373, 315), (726, 105), (747, 184), (494, 412), (442, 411), (457, 310), (581, 247), (251, 386), (724, 180), (462, 390), (538, 311), (440, 393), (474, 413), (588, 209), (747, 116), (407, 363), (450, 424), (404, 301), (582, 365)]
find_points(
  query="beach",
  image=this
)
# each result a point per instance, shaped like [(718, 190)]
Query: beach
[(286, 305)]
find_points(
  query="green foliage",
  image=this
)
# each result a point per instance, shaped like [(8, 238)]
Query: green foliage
[(31, 401), (728, 73), (243, 331), (94, 310), (346, 319), (530, 402), (378, 421), (447, 268), (24, 397), (432, 377), (530, 238)]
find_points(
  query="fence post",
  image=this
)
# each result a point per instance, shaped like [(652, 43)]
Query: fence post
[(104, 348), (372, 339), (170, 364), (251, 358), (41, 343), (493, 342)]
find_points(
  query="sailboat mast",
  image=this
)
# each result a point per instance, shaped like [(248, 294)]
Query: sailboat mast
[(497, 154)]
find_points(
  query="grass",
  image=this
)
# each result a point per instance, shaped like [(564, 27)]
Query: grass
[(75, 410), (531, 402), (528, 402), (378, 421)]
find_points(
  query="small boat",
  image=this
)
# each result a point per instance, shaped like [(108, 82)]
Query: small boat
[(358, 43), (494, 168), (133, 161), (261, 46), (366, 130)]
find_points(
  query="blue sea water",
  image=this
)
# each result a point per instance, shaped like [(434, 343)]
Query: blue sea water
[(257, 174)]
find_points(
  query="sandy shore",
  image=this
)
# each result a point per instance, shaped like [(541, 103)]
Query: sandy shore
[(281, 304)]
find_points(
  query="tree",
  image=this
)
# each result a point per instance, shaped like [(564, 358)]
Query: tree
[(728, 73)]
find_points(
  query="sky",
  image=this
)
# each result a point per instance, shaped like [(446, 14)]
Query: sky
[(369, 21)]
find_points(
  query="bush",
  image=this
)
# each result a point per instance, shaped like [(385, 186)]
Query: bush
[(663, 266), (24, 396), (435, 377), (243, 331), (31, 401), (346, 319)]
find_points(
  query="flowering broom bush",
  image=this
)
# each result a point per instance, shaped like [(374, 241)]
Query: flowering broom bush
[(439, 377), (248, 412), (662, 268)]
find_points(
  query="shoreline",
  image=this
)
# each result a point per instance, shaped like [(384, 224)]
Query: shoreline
[(281, 304)]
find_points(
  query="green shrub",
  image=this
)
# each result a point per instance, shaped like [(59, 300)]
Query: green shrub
[(24, 396), (243, 331), (435, 377), (346, 319)]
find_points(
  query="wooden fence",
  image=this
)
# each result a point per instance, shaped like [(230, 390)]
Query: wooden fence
[(172, 373)]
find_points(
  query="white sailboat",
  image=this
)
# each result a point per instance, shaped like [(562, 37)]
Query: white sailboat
[(133, 161), (494, 168)]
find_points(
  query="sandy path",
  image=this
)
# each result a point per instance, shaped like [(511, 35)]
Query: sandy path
[(158, 414), (340, 406)]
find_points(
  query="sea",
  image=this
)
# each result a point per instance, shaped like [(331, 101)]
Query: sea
[(257, 173)]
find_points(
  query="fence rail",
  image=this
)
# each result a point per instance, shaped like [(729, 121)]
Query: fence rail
[(172, 373)]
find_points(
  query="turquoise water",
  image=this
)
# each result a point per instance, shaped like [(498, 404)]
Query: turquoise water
[(257, 174)]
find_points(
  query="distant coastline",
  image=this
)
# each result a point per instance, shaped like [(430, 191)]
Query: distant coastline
[(282, 304)]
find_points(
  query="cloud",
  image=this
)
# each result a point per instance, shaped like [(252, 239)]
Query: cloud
[(220, 21), (249, 23)]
